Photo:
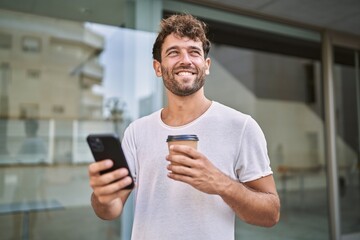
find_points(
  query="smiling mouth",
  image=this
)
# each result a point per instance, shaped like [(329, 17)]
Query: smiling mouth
[(185, 73)]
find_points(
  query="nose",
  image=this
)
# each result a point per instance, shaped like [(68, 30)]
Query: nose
[(185, 59)]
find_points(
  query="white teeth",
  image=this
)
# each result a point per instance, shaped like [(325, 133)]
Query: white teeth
[(184, 73)]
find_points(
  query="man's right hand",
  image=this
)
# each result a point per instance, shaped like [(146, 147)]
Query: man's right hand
[(109, 194)]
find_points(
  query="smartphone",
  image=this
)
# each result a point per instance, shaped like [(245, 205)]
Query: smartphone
[(108, 146)]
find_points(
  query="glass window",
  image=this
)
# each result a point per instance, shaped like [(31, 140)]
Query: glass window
[(33, 74), (31, 44), (347, 102), (58, 109), (5, 41), (281, 90), (29, 110), (44, 188), (72, 49)]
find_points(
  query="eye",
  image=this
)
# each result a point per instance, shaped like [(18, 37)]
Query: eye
[(195, 53), (173, 53)]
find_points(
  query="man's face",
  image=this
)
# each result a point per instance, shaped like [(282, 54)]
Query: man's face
[(183, 67)]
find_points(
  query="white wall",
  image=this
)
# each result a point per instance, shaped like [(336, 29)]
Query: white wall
[(294, 132)]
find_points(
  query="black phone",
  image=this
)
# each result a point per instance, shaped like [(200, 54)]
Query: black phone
[(108, 146)]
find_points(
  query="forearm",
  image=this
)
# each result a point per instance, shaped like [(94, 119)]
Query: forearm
[(253, 207), (106, 211)]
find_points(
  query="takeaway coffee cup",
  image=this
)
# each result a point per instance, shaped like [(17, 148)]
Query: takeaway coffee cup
[(184, 139)]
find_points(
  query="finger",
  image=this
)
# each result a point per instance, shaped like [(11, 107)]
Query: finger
[(187, 150), (179, 177), (96, 167), (181, 170), (186, 160), (180, 159), (100, 180), (114, 187)]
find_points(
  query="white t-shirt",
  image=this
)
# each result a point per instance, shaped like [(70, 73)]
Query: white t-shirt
[(166, 209)]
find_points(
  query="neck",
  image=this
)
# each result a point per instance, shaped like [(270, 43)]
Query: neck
[(183, 110)]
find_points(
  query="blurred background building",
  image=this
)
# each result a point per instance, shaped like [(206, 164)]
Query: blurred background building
[(70, 68)]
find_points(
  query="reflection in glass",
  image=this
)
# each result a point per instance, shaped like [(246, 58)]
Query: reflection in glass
[(347, 91), (31, 44), (283, 94), (55, 79), (33, 147), (5, 41)]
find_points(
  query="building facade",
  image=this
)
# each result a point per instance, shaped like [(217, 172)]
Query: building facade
[(70, 70)]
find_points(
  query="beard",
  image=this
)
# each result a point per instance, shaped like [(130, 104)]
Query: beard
[(180, 89)]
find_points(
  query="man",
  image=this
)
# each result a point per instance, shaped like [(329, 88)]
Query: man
[(194, 194)]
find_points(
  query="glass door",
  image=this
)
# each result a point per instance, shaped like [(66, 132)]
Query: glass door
[(347, 112)]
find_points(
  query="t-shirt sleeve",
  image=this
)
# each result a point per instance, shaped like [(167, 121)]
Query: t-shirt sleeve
[(253, 161), (129, 147)]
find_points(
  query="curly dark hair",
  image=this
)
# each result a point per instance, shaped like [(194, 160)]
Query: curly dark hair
[(182, 25)]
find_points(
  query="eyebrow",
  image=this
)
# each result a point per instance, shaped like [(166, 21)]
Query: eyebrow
[(196, 48), (176, 47)]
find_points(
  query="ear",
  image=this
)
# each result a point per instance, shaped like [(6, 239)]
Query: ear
[(208, 63), (157, 68)]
